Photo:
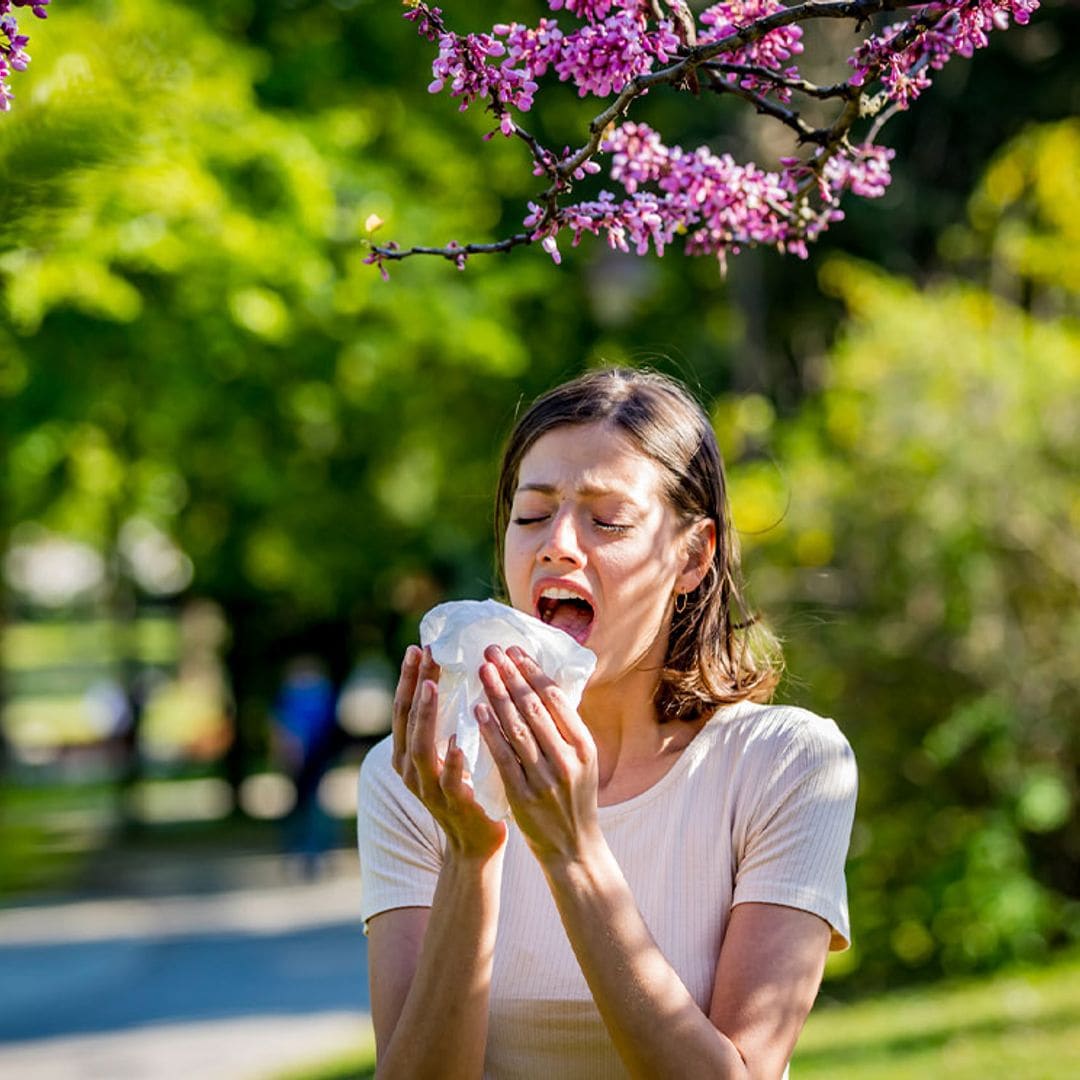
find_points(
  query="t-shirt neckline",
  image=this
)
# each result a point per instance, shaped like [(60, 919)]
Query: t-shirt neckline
[(692, 752)]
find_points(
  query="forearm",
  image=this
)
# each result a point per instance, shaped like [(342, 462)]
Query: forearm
[(442, 1028), (655, 1024)]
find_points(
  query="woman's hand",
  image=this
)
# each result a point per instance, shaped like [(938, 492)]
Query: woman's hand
[(544, 752), (441, 784)]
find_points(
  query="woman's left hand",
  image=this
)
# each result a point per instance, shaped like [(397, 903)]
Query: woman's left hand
[(544, 753)]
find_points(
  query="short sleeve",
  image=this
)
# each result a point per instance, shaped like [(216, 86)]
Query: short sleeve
[(400, 844), (794, 838)]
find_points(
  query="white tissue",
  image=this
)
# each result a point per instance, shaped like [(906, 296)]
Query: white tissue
[(458, 633)]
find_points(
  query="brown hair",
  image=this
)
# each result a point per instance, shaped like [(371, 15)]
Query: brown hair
[(715, 656)]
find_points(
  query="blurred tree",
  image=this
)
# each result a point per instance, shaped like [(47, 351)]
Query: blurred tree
[(920, 516), (191, 338)]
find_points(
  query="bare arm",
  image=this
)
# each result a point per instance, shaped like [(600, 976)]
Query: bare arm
[(772, 958), (766, 980), (431, 968), (430, 977)]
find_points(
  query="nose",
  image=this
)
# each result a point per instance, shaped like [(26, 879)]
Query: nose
[(561, 544)]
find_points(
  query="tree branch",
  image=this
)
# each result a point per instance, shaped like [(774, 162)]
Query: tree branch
[(549, 215), (789, 117), (787, 82)]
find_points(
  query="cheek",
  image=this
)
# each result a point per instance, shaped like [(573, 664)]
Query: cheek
[(646, 569), (516, 565)]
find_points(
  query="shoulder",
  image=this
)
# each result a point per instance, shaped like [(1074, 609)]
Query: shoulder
[(387, 808), (777, 732), (377, 769), (381, 790), (764, 752)]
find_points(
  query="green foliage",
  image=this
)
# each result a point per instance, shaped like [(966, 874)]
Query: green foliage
[(251, 385), (922, 512), (188, 333), (1025, 215)]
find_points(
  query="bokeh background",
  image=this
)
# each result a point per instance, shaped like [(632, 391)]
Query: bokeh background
[(238, 467)]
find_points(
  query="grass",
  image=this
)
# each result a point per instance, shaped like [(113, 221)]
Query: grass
[(1022, 1023), (357, 1064)]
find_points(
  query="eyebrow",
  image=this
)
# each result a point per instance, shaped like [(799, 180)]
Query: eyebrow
[(588, 490)]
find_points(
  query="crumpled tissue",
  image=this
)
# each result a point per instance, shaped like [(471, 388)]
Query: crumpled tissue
[(458, 632)]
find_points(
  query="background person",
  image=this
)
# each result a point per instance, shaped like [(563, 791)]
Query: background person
[(305, 738)]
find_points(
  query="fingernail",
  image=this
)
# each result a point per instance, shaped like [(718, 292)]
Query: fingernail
[(427, 691), (515, 653)]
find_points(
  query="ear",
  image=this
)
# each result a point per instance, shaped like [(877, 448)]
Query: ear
[(700, 548)]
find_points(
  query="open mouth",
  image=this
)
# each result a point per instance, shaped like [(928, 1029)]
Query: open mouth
[(566, 611)]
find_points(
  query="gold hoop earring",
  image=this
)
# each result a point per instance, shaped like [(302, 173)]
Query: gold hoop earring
[(680, 603)]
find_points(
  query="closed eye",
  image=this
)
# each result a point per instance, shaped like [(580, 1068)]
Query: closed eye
[(528, 520), (610, 526)]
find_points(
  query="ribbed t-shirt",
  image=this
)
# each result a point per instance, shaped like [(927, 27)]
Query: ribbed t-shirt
[(758, 807)]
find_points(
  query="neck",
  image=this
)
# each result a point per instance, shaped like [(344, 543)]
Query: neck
[(623, 722)]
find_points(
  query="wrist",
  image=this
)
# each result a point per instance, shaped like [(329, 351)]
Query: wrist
[(578, 864), (475, 845), (479, 863)]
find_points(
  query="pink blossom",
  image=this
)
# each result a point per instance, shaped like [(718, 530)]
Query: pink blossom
[(602, 57), (535, 49), (959, 28), (862, 169), (463, 63), (550, 245), (769, 51), (13, 54), (429, 21), (717, 203), (592, 10)]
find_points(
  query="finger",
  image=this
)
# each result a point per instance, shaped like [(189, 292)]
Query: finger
[(403, 699), (422, 753), (502, 753), (570, 725), (515, 727), (453, 769), (426, 671), (452, 778), (421, 758), (534, 703)]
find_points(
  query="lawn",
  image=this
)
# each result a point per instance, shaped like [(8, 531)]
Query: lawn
[(1020, 1024), (1024, 1023)]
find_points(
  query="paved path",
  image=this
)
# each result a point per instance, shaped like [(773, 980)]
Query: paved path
[(233, 985)]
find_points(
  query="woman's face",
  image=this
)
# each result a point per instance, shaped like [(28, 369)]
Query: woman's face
[(593, 546)]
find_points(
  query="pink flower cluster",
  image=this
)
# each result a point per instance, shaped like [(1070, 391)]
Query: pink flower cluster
[(770, 51), (863, 170), (902, 56), (463, 63), (716, 202), (592, 10), (13, 54), (602, 57), (535, 49), (719, 203)]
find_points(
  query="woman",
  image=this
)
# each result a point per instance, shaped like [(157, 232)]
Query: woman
[(663, 897)]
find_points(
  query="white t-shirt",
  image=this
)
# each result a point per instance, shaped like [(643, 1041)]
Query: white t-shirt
[(758, 807)]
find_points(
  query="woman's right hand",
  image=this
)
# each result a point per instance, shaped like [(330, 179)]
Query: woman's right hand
[(441, 784)]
